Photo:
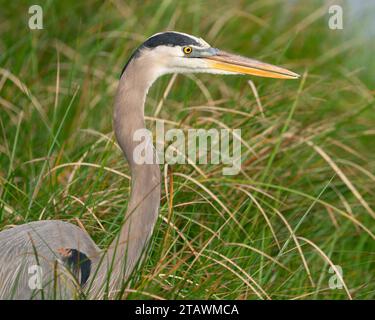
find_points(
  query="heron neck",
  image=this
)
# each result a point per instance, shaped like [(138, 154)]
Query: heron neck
[(128, 248)]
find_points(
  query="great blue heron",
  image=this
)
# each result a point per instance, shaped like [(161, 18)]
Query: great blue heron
[(56, 259)]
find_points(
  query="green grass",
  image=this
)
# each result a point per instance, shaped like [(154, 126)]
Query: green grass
[(312, 177)]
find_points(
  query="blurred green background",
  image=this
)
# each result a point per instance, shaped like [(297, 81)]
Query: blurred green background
[(304, 199)]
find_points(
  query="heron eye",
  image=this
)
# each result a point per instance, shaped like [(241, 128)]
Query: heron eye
[(187, 50)]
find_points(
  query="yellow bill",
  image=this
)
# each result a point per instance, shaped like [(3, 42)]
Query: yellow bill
[(232, 63)]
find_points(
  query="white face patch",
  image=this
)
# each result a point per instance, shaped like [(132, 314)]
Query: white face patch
[(173, 60), (165, 59), (172, 52), (159, 59)]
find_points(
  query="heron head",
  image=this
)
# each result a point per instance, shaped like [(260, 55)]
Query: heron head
[(175, 52)]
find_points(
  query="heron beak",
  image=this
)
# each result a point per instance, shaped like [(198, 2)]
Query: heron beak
[(232, 63)]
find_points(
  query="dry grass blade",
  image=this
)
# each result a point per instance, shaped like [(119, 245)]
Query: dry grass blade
[(328, 260), (24, 89), (256, 95), (244, 245), (263, 213), (342, 176), (298, 246), (217, 200), (144, 293), (90, 211), (86, 164), (243, 272), (239, 276), (165, 94)]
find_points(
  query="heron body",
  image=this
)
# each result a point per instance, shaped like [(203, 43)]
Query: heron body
[(57, 260), (39, 243)]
